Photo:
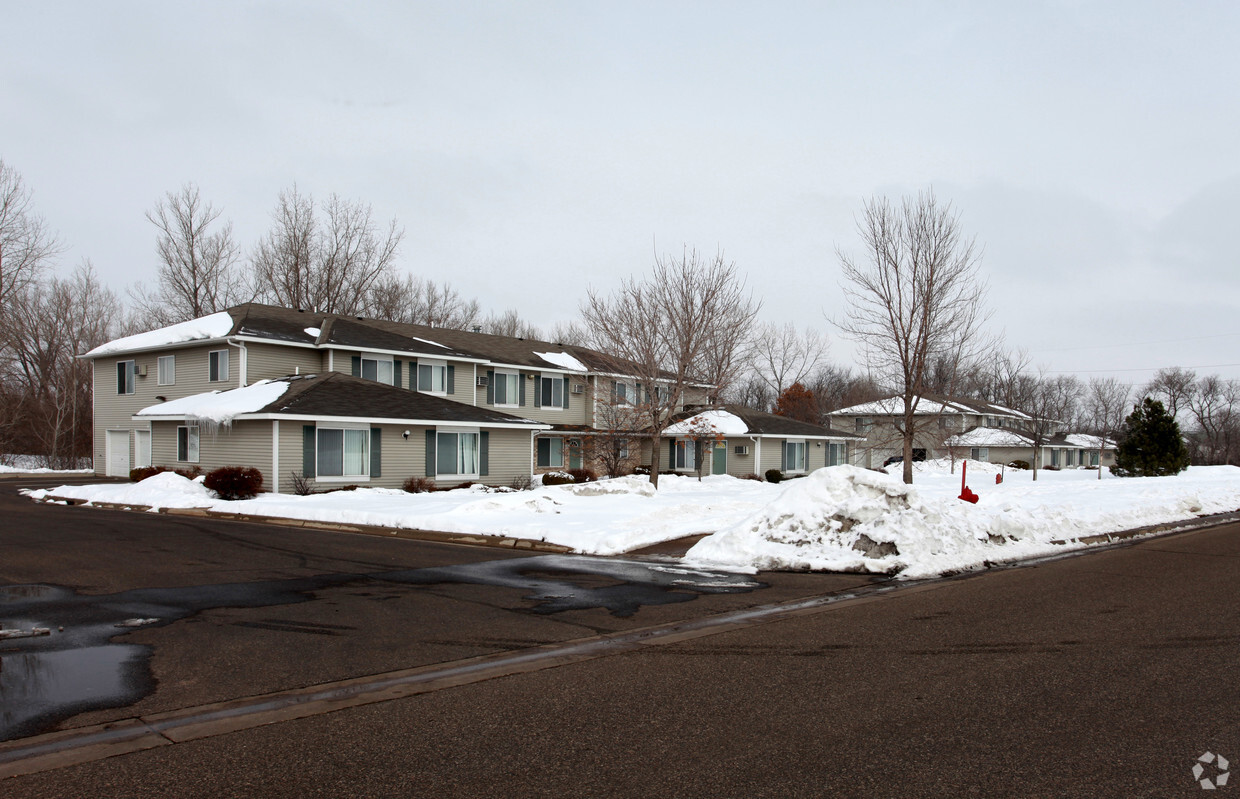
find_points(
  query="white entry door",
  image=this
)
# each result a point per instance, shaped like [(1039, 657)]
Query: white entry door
[(142, 448), (118, 453)]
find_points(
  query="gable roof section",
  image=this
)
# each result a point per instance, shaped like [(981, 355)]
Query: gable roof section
[(756, 423), (335, 395), (310, 328), (929, 405)]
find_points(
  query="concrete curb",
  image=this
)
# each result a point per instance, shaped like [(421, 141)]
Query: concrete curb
[(437, 536)]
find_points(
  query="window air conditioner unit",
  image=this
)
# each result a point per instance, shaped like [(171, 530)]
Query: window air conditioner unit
[(142, 370), (741, 450), (578, 388), (483, 381)]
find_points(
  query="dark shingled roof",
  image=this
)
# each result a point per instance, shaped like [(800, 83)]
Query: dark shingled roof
[(336, 394), (763, 423), (286, 324)]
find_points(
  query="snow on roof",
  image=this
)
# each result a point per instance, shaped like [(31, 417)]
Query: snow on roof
[(221, 407), (1086, 441), (216, 325), (313, 331), (926, 407), (726, 423), (432, 343), (563, 360), (987, 437)]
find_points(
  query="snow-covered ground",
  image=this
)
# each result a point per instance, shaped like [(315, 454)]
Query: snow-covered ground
[(25, 464), (842, 518)]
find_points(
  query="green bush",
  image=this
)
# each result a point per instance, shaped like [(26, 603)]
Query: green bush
[(774, 475), (751, 476), (235, 482)]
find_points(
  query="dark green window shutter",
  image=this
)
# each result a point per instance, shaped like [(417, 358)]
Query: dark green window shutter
[(697, 454), (637, 394), (491, 388), (376, 452), (484, 453), (430, 452), (783, 456), (613, 391), (671, 454), (397, 380), (521, 388), (357, 366), (307, 450), (537, 391), (451, 379), (566, 388)]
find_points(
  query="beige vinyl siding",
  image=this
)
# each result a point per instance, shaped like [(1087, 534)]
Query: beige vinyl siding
[(268, 361), (740, 465), (772, 455), (245, 443), (577, 412), (114, 411), (509, 456)]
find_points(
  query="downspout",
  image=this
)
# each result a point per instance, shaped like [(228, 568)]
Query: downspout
[(533, 451), (243, 365), (757, 454)]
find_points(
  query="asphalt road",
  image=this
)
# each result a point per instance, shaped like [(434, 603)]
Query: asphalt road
[(1106, 674)]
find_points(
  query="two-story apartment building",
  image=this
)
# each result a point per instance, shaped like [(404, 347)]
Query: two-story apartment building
[(341, 399), (964, 428)]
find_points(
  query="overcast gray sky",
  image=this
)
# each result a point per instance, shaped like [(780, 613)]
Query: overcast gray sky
[(532, 150)]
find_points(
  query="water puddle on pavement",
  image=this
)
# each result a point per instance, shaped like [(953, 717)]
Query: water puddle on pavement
[(58, 656)]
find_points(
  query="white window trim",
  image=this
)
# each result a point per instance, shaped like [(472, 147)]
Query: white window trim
[(563, 449), (132, 378), (171, 360), (691, 452), (197, 435), (498, 373), (227, 366), (460, 476), (804, 458), (378, 359), (345, 478), (555, 378), (433, 363)]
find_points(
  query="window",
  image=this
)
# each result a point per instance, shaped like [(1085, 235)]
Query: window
[(377, 369), (864, 423), (456, 453), (217, 366), (433, 377), (124, 377), (507, 388), (794, 456), (1054, 457), (837, 453), (685, 455), (167, 368), (623, 395), (551, 391), (343, 452), (550, 453), (1093, 457), (980, 453), (187, 443)]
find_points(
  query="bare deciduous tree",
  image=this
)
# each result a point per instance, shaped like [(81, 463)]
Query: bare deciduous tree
[(422, 302), (510, 323), (917, 300), (27, 245), (570, 333), (782, 355), (328, 259), (1215, 408), (1106, 405), (197, 274), (1052, 407), (1174, 386), (662, 326)]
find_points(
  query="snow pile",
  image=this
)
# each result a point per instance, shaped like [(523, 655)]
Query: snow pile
[(724, 423), (221, 407), (988, 437), (563, 360), (432, 343), (163, 490), (216, 325), (850, 519)]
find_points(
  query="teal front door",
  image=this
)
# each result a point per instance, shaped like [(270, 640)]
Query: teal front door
[(719, 463)]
